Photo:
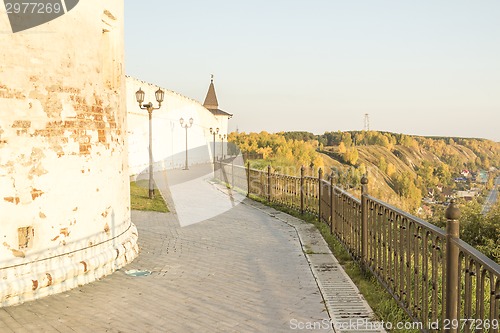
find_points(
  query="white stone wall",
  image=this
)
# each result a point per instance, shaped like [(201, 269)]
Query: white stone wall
[(64, 186), (169, 138)]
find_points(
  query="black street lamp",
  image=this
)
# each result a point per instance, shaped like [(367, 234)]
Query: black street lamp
[(139, 95), (214, 132), (222, 137), (186, 126)]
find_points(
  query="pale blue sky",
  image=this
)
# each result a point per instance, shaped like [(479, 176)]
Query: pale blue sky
[(421, 67)]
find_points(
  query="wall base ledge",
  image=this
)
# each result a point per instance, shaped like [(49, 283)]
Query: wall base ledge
[(103, 260)]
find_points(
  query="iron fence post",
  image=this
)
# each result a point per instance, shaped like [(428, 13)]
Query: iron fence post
[(320, 178), (269, 183), (302, 190), (332, 204), (452, 215), (364, 221), (248, 178)]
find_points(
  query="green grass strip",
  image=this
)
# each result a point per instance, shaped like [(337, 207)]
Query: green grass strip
[(139, 198)]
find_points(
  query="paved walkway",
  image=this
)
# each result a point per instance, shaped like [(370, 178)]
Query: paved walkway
[(243, 270)]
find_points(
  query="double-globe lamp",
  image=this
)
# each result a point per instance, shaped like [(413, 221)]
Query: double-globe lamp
[(186, 126), (214, 132), (159, 95)]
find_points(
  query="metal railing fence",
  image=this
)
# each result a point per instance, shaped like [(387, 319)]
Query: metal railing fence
[(438, 279)]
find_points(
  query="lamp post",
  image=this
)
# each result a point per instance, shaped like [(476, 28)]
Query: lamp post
[(186, 126), (214, 133), (222, 137), (139, 95)]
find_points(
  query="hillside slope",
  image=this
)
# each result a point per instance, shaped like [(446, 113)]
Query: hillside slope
[(401, 168)]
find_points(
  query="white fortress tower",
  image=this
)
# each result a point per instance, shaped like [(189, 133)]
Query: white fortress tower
[(64, 185)]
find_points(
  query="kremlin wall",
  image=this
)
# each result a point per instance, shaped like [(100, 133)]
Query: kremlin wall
[(169, 138)]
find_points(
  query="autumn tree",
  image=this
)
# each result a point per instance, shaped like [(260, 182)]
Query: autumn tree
[(342, 148), (391, 169), (405, 186), (351, 156)]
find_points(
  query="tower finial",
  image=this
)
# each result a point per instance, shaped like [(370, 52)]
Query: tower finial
[(211, 99)]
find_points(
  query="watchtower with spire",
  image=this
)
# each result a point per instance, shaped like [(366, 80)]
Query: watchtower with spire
[(211, 102)]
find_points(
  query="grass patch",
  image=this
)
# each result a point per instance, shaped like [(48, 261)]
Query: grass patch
[(382, 303), (139, 198)]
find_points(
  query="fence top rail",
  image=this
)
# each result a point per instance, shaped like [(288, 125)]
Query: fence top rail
[(231, 164), (282, 175), (256, 170), (478, 256), (344, 193), (419, 221)]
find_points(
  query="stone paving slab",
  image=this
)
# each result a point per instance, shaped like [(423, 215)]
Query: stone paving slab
[(238, 272)]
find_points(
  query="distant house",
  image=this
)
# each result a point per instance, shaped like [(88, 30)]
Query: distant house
[(447, 192), (466, 173), (466, 195), (482, 176)]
